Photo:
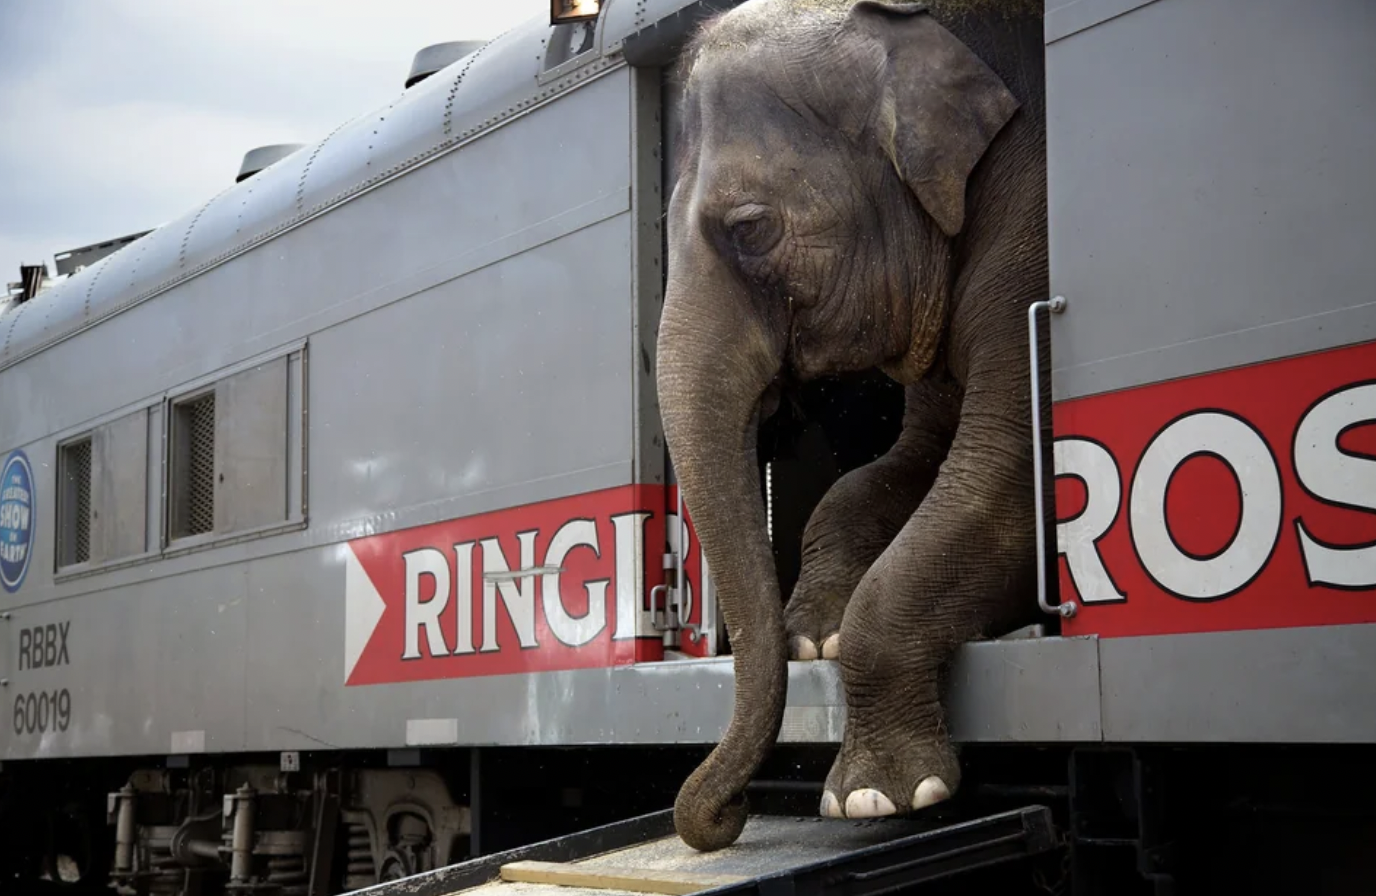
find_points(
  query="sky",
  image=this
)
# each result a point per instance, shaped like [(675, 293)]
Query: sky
[(117, 116)]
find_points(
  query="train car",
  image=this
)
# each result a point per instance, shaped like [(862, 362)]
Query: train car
[(339, 540)]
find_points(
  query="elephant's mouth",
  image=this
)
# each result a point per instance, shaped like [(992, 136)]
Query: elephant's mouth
[(773, 397), (782, 393)]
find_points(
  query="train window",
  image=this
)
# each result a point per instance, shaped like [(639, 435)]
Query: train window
[(235, 465), (252, 448), (193, 466), (119, 488), (102, 495), (235, 449), (74, 502)]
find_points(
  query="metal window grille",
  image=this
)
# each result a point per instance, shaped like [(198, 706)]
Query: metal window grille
[(193, 474), (74, 519)]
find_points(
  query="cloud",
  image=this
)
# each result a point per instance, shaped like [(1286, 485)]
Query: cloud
[(124, 114)]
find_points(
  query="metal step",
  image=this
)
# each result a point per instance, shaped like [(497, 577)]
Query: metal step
[(775, 856)]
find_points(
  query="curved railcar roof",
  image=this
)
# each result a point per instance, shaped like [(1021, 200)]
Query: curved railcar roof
[(508, 76)]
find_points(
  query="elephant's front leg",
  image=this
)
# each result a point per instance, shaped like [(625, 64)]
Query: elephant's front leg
[(862, 512), (960, 568)]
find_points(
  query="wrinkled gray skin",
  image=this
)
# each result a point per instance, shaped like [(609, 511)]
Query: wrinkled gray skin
[(862, 186)]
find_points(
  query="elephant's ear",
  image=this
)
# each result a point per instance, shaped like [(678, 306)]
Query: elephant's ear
[(940, 107)]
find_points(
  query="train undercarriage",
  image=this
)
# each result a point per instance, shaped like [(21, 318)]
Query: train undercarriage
[(178, 828), (289, 824), (1148, 819)]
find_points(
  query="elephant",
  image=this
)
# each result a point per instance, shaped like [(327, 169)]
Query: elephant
[(861, 187)]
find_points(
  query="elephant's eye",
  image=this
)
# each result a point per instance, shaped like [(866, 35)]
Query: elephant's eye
[(753, 229)]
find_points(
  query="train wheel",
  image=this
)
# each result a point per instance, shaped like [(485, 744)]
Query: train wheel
[(395, 866), (408, 850)]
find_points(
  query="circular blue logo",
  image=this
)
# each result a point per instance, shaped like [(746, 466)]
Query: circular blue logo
[(16, 520)]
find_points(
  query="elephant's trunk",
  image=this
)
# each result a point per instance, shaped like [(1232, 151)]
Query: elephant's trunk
[(715, 363)]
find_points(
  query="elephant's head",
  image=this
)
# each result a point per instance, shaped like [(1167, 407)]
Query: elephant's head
[(826, 151)]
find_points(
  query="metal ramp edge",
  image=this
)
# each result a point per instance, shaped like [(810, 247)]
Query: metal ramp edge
[(856, 859)]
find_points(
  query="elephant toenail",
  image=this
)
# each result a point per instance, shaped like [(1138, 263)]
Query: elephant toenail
[(831, 647), (831, 806), (930, 792), (804, 649), (868, 803)]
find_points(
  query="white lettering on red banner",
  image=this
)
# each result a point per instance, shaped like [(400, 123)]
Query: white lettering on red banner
[(1234, 500), (560, 585)]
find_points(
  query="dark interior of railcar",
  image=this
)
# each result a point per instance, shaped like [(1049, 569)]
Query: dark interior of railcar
[(820, 433)]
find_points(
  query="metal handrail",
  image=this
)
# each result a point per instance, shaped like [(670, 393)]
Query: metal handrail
[(1055, 306)]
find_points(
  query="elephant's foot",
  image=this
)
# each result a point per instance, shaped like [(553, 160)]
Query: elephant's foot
[(896, 756), (812, 619), (870, 783)]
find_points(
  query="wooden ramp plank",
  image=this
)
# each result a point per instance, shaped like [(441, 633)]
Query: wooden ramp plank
[(633, 880)]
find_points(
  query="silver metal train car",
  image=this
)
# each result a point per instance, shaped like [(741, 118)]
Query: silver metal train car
[(338, 538)]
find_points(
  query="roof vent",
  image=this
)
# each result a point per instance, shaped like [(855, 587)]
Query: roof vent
[(32, 280), (72, 261), (437, 56), (256, 160)]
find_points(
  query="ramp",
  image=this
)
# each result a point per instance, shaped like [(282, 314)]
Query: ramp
[(775, 856)]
